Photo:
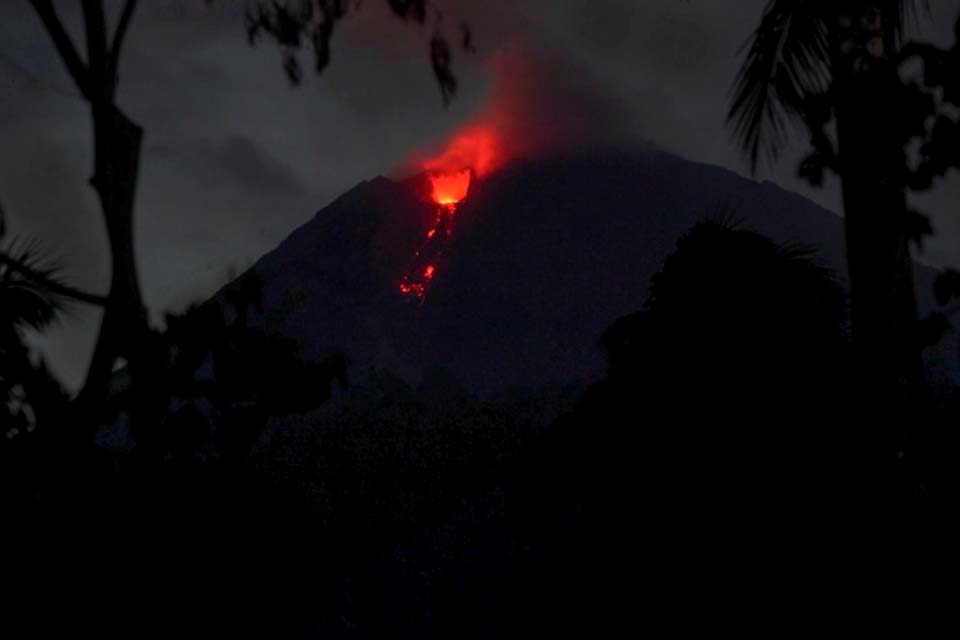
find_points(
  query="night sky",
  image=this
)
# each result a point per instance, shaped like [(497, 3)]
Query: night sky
[(236, 158)]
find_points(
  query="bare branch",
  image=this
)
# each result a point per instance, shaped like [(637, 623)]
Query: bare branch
[(95, 22), (65, 47), (122, 27)]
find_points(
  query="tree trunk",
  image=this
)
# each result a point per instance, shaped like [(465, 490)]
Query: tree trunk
[(873, 173), (123, 329), (882, 300)]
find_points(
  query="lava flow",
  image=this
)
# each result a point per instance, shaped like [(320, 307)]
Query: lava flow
[(534, 109), (449, 188)]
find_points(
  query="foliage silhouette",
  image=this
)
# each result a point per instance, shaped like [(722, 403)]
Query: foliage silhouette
[(311, 24), (222, 379), (718, 445), (33, 405), (833, 71), (30, 300)]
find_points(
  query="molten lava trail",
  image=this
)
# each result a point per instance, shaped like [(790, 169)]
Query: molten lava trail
[(449, 188), (417, 279)]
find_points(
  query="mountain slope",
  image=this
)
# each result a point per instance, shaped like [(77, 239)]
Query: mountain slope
[(544, 257)]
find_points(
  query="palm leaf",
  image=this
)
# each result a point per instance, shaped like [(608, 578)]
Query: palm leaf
[(28, 302), (787, 63), (909, 13)]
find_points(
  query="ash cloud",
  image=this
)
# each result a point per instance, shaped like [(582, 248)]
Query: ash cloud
[(540, 104)]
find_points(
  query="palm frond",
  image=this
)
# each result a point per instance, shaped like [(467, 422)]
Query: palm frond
[(787, 61), (28, 301), (909, 13)]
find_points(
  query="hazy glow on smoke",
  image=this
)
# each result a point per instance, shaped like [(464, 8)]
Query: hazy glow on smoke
[(533, 110)]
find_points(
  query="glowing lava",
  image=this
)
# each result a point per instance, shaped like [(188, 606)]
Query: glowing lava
[(473, 152), (449, 188), (535, 108)]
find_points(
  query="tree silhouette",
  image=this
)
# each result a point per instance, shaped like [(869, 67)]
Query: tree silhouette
[(935, 97), (736, 327), (831, 68), (311, 24), (31, 298), (223, 377), (730, 300), (124, 330), (718, 418), (117, 141)]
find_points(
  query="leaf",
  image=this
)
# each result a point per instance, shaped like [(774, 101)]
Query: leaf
[(27, 302), (930, 330), (301, 25), (922, 178), (915, 107), (787, 63), (947, 287), (918, 227), (415, 10), (441, 60), (813, 169), (466, 38), (291, 66)]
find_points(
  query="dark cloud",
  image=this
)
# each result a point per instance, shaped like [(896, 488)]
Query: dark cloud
[(225, 164)]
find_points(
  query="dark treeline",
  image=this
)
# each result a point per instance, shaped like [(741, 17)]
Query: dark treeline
[(714, 468)]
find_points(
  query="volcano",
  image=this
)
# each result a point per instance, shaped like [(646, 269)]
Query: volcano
[(547, 255)]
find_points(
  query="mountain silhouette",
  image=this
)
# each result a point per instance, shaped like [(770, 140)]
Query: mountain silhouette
[(545, 256)]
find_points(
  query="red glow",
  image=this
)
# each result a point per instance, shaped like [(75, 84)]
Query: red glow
[(449, 188), (535, 108), (450, 176), (413, 285), (412, 289), (473, 148)]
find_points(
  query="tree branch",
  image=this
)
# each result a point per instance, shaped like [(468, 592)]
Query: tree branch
[(52, 285), (61, 39), (122, 27), (95, 23)]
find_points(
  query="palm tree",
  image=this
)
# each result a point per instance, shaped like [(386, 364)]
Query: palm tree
[(31, 298), (830, 69)]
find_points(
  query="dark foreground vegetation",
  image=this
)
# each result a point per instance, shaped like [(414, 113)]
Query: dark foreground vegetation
[(722, 475)]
